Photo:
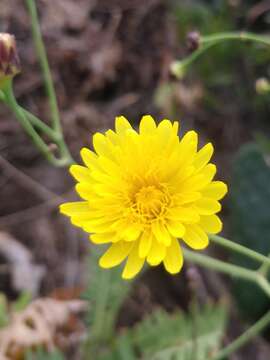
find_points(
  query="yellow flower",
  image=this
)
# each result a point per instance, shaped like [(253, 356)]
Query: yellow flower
[(144, 193)]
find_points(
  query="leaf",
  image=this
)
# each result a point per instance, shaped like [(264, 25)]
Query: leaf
[(250, 199), (4, 317), (41, 354), (22, 302), (105, 293), (163, 336), (184, 337)]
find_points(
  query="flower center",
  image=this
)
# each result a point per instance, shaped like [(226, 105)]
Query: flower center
[(150, 202)]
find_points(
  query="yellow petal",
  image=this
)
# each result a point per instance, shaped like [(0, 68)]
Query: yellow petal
[(113, 137), (164, 131), (203, 156), (175, 127), (74, 208), (196, 238), (188, 147), (145, 244), (211, 224), (176, 229), (97, 225), (102, 238), (81, 173), (134, 263), (89, 158), (215, 190), (147, 125), (187, 197), (127, 230), (85, 191), (207, 206), (208, 172), (132, 232), (183, 214), (161, 233), (191, 137), (173, 260), (109, 166), (156, 253), (121, 125), (102, 146), (202, 179), (115, 254)]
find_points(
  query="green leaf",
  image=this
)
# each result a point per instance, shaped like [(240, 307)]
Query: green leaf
[(163, 336), (182, 337), (105, 293), (250, 199), (41, 354), (4, 317), (22, 302)]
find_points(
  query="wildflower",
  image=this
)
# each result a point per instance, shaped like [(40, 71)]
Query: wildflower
[(144, 193), (9, 61)]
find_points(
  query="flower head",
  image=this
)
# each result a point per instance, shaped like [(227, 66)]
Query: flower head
[(146, 192), (9, 61)]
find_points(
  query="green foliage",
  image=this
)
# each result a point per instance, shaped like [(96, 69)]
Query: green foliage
[(233, 65), (4, 318), (250, 199), (23, 300), (163, 336), (105, 294), (215, 67), (41, 354)]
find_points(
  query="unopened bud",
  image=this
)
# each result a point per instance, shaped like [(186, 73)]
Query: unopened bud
[(193, 40), (178, 69), (9, 60), (262, 86)]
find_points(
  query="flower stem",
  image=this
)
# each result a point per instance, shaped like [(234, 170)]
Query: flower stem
[(23, 116), (244, 338), (36, 122), (12, 103), (235, 35), (229, 269), (42, 55), (228, 244), (179, 68)]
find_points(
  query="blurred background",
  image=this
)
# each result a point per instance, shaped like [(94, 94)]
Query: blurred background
[(110, 58)]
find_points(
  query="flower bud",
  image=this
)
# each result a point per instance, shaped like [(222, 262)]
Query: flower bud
[(193, 40), (178, 69), (9, 60), (262, 86)]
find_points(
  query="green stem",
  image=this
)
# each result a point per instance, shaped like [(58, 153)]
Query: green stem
[(229, 269), (178, 68), (264, 269), (235, 35), (20, 115), (2, 96), (42, 55), (244, 338), (35, 121), (66, 158), (228, 244)]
